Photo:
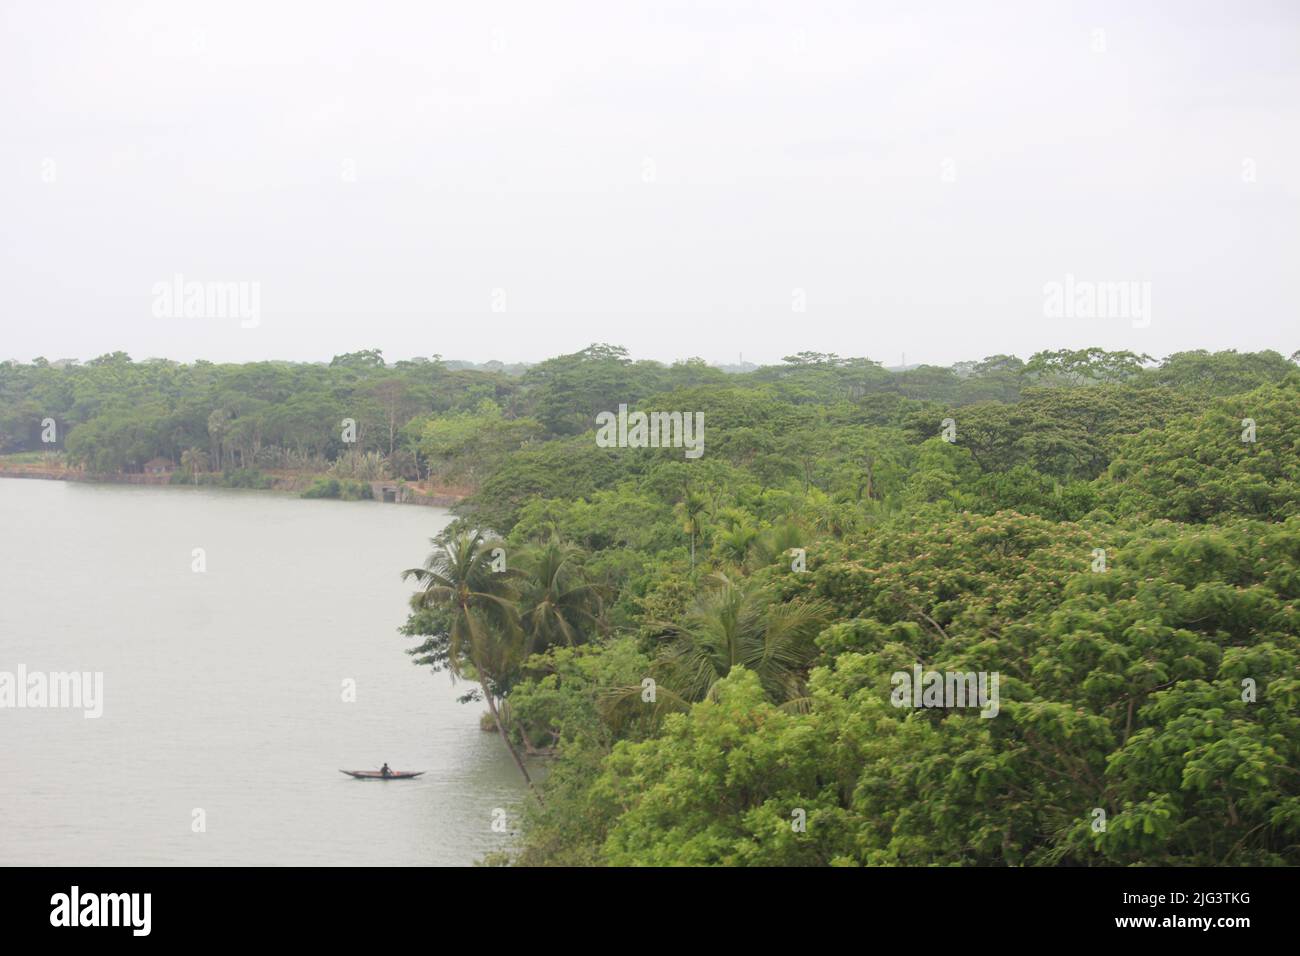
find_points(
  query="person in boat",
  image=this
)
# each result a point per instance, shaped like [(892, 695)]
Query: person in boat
[(384, 771)]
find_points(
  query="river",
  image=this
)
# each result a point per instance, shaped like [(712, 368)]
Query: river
[(224, 721)]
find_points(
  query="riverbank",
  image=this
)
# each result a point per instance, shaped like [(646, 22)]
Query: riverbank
[(391, 491)]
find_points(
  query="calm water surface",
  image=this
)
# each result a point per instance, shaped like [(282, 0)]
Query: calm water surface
[(223, 690)]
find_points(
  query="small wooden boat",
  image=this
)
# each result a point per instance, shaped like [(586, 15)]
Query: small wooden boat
[(377, 775)]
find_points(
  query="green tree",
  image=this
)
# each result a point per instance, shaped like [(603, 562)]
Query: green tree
[(691, 510), (739, 624), (484, 637), (556, 605), (194, 460)]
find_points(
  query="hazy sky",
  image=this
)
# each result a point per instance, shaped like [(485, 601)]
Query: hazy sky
[(673, 177)]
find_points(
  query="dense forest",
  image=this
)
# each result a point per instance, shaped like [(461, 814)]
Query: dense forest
[(694, 661)]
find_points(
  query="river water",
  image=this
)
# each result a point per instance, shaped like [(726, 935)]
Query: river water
[(224, 721)]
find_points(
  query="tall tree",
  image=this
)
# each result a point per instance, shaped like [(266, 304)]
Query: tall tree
[(483, 632), (691, 510), (194, 460)]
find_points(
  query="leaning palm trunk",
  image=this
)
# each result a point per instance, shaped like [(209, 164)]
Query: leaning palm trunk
[(505, 737)]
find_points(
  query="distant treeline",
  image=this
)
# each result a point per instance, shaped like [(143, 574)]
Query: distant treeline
[(429, 418)]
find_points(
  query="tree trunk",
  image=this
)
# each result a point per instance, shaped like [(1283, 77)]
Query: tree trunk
[(496, 718)]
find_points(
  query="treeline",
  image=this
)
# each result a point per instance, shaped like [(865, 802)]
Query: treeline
[(426, 418), (112, 414), (1118, 540)]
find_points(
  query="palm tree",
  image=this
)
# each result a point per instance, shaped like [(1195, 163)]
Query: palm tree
[(774, 542), (830, 516), (555, 605), (691, 510), (739, 623), (732, 624), (484, 632), (194, 460), (735, 543)]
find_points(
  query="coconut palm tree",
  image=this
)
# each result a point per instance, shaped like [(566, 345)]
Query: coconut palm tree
[(732, 624), (741, 623), (556, 606), (484, 632)]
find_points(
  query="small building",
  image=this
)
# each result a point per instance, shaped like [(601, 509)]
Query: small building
[(159, 466)]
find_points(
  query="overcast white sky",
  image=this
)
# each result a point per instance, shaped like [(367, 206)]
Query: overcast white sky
[(508, 146)]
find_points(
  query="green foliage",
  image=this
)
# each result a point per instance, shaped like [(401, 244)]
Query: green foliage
[(358, 466), (738, 624), (1120, 691), (463, 446), (559, 699), (1099, 535), (1125, 687), (1209, 465), (736, 782), (482, 621), (344, 489), (1085, 366)]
